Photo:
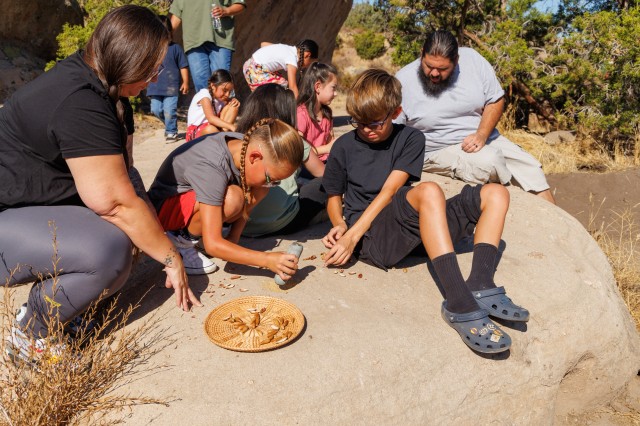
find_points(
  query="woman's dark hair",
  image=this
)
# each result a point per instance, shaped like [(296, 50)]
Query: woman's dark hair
[(127, 46), (167, 22), (220, 76), (306, 46), (267, 101), (441, 43), (317, 71)]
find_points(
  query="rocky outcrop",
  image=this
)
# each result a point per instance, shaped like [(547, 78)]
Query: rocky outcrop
[(376, 351), (34, 24), (286, 21)]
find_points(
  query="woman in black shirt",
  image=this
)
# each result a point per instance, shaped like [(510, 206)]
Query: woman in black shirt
[(63, 168)]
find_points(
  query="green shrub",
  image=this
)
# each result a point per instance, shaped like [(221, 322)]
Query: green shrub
[(366, 17), (369, 45), (74, 37)]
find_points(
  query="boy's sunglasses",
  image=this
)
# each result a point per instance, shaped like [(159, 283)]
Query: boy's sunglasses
[(155, 74), (373, 126)]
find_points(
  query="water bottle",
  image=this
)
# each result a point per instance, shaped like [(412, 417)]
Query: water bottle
[(295, 249), (215, 20)]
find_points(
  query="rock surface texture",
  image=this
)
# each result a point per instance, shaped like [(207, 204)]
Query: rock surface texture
[(289, 22), (36, 23), (375, 349)]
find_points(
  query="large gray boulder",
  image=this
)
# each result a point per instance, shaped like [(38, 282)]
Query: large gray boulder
[(34, 24), (289, 22), (376, 351)]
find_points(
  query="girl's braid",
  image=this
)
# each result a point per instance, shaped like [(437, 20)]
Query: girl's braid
[(301, 49), (243, 154)]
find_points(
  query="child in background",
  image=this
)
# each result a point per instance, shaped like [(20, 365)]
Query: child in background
[(315, 119), (218, 179), (213, 109), (286, 208), (385, 218), (164, 92), (267, 64)]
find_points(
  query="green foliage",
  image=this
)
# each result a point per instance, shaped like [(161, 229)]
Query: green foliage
[(597, 74), (366, 17), (74, 37), (579, 64), (369, 45)]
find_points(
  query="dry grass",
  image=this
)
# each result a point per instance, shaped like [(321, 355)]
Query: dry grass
[(80, 381), (619, 240), (584, 153)]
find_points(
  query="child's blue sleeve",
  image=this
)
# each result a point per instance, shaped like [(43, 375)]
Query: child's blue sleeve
[(181, 59)]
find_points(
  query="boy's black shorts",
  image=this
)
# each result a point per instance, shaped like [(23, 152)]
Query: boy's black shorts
[(395, 232)]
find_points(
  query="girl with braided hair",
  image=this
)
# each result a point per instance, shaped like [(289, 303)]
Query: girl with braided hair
[(217, 180), (268, 64)]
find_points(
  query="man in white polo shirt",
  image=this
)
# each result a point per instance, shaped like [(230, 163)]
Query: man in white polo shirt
[(452, 95)]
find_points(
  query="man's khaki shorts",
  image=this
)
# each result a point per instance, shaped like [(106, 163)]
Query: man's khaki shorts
[(499, 161)]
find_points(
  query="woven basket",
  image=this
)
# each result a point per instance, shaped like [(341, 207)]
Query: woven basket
[(233, 325)]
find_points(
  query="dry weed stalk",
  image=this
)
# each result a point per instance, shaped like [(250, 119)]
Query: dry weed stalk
[(566, 157), (83, 380), (619, 242)]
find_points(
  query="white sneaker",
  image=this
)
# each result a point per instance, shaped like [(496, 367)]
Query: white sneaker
[(195, 263), (22, 348), (179, 241), (21, 312)]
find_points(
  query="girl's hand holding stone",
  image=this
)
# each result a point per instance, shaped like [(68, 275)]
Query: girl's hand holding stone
[(283, 264)]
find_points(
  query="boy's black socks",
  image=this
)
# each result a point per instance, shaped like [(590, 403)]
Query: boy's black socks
[(483, 267), (459, 298)]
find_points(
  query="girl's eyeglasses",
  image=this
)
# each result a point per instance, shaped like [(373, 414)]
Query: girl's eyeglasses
[(373, 126), (155, 74), (269, 183)]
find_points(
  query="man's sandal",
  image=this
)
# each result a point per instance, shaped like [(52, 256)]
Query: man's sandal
[(499, 305), (477, 330)]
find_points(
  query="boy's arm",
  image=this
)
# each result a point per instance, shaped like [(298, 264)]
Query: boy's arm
[(341, 251), (184, 74), (334, 209)]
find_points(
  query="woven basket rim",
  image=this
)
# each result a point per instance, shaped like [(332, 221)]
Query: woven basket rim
[(224, 334)]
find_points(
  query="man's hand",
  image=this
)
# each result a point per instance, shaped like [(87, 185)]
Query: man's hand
[(473, 143)]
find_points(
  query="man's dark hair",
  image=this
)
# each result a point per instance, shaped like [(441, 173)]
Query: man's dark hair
[(441, 43)]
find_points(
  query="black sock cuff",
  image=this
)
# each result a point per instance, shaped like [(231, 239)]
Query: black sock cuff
[(443, 257), (485, 246)]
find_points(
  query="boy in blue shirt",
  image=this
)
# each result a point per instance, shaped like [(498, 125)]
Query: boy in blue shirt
[(164, 92), (385, 218)]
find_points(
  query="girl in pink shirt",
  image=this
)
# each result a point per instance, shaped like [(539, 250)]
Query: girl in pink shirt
[(315, 119)]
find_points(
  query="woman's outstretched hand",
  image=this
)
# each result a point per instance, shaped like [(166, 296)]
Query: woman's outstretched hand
[(177, 279)]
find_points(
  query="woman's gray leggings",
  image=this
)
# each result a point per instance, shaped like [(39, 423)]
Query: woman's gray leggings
[(93, 256)]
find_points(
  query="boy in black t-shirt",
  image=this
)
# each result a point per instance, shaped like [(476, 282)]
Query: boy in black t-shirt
[(385, 218)]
